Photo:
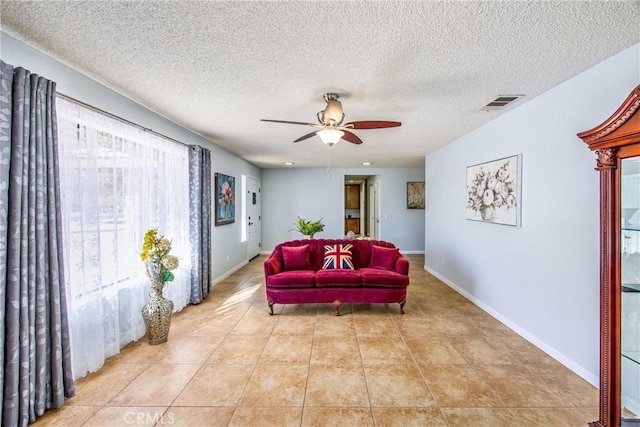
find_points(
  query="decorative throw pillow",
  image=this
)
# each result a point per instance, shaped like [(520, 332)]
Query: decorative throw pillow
[(383, 258), (338, 257), (296, 257)]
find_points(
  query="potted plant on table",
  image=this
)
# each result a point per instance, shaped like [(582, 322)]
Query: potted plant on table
[(307, 227)]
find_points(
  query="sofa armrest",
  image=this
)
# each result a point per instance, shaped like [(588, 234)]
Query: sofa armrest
[(272, 265), (402, 265)]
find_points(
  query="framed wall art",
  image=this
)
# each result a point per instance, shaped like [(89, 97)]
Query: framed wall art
[(494, 191), (225, 199), (415, 195)]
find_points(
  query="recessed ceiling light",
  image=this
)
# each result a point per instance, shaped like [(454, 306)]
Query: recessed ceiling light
[(367, 163), (289, 163)]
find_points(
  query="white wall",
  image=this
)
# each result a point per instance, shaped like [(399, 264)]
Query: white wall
[(315, 193), (226, 239), (542, 279)]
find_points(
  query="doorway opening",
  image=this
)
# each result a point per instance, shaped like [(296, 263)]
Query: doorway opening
[(361, 205)]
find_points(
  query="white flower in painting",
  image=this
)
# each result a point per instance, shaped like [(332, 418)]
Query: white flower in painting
[(491, 189), (487, 197)]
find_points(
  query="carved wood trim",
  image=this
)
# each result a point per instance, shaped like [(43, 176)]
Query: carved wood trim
[(617, 123), (610, 402), (616, 138), (606, 159), (601, 134)]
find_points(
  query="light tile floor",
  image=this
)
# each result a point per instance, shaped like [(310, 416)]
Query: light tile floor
[(229, 363)]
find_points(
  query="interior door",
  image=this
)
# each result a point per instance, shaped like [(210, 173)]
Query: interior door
[(254, 234)]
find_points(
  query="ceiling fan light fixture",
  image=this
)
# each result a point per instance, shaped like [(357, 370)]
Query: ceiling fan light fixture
[(330, 136), (333, 112)]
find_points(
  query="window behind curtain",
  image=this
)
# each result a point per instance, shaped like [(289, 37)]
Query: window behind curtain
[(117, 181)]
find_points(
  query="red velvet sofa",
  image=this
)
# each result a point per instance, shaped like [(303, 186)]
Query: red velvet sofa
[(297, 272)]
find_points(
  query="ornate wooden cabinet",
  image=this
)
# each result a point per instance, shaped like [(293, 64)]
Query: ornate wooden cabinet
[(617, 145)]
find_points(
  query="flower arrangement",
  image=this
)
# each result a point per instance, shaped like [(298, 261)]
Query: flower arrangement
[(158, 261), (226, 196), (308, 228), (490, 190)]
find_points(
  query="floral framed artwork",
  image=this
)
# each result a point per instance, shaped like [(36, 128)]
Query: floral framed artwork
[(415, 195), (494, 191), (225, 199)]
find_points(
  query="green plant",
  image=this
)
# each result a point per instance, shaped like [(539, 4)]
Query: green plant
[(308, 228)]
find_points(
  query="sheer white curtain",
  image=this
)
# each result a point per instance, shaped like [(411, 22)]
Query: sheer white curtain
[(117, 181)]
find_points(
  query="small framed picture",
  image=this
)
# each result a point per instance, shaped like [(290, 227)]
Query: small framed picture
[(415, 195), (494, 191), (225, 199)]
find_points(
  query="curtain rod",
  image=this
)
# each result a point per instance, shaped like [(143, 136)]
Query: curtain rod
[(113, 116)]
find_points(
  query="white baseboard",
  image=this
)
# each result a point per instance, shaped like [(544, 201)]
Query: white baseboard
[(551, 351), (228, 273)]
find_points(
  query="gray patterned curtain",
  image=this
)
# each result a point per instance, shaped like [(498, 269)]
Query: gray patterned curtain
[(200, 222), (35, 356)]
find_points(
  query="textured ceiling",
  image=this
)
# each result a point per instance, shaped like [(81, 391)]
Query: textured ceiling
[(217, 68)]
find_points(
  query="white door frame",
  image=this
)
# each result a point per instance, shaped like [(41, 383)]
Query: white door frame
[(254, 217), (374, 207)]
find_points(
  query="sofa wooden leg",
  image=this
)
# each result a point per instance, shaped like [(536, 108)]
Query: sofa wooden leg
[(336, 304), (402, 303), (271, 308)]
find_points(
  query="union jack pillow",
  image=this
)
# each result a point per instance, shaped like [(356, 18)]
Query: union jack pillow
[(338, 257)]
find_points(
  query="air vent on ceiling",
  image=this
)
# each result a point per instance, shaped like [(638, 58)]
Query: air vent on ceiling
[(501, 101)]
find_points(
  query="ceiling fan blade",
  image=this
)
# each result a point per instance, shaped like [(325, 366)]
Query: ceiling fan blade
[(288, 122), (372, 124), (351, 137), (307, 136)]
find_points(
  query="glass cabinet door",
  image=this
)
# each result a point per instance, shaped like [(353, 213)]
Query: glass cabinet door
[(630, 298)]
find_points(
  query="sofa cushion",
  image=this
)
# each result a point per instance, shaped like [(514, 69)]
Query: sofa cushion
[(292, 279), (383, 258), (338, 256), (338, 277), (296, 257), (383, 278)]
